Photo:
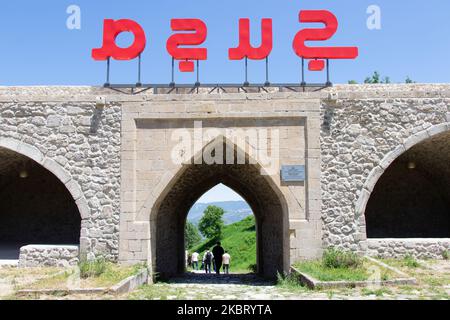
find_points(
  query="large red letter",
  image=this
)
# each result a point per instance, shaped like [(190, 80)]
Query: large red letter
[(331, 25), (183, 39), (110, 50), (245, 49)]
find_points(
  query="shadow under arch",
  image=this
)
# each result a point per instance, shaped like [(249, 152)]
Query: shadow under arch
[(169, 213), (429, 150), (14, 152)]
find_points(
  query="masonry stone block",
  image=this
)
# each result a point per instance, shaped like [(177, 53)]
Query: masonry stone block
[(346, 135)]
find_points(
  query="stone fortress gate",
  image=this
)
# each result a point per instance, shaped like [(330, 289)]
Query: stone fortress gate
[(88, 172)]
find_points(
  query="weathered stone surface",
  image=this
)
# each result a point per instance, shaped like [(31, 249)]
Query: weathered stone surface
[(399, 248), (345, 136), (374, 125), (84, 154), (48, 256)]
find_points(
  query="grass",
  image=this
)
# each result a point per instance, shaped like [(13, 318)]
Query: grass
[(289, 282), (408, 262), (411, 262), (95, 268), (114, 273), (107, 275), (431, 283), (14, 272), (337, 265), (380, 292), (52, 282), (239, 239), (318, 270), (333, 258)]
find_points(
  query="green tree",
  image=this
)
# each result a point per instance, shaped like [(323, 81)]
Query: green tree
[(211, 224), (409, 80), (352, 82), (191, 235), (376, 78)]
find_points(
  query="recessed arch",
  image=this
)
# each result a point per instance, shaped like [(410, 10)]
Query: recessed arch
[(431, 149), (60, 180), (171, 207), (238, 233)]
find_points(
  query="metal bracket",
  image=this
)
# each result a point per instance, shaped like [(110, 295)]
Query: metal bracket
[(213, 87)]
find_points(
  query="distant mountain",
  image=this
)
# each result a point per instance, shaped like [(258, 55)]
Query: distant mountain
[(235, 211)]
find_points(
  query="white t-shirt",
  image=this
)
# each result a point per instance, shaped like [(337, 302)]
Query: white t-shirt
[(195, 257), (226, 258)]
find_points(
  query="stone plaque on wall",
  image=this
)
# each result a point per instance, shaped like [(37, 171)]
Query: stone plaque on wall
[(295, 173)]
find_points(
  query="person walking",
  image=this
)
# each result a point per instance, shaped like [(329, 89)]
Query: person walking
[(218, 253), (207, 259), (189, 261), (226, 258), (194, 259)]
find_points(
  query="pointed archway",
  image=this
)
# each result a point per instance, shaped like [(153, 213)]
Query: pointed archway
[(168, 215)]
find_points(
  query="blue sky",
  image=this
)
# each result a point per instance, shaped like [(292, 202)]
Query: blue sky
[(38, 49), (220, 193)]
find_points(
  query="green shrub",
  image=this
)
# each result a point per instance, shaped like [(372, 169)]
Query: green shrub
[(253, 268), (410, 261), (334, 258), (288, 281), (385, 275), (94, 268), (445, 255)]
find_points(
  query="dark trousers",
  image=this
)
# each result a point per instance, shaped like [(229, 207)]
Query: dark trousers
[(208, 267), (195, 265), (218, 266), (226, 268)]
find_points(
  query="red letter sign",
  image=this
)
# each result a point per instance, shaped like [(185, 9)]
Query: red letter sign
[(245, 49), (110, 32), (183, 39), (331, 25)]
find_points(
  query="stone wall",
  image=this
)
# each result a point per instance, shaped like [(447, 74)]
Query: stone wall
[(364, 129), (149, 172), (353, 132), (62, 130), (48, 256), (399, 248)]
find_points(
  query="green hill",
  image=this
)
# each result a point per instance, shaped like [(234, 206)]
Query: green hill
[(239, 239)]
